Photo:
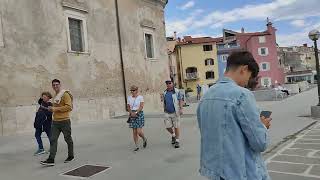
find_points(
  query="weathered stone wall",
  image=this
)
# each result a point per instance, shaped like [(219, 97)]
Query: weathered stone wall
[(35, 52)]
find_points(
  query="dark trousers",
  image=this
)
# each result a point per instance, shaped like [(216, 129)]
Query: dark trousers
[(38, 136), (198, 96), (286, 91), (56, 128)]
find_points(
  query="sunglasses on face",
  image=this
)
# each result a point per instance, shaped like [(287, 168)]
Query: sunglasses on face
[(132, 90), (55, 84)]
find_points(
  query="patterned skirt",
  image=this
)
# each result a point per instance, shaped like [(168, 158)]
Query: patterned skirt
[(137, 122)]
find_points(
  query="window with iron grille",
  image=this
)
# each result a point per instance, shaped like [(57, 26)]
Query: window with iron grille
[(76, 35), (209, 75)]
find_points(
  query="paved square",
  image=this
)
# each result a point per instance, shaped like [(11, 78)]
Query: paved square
[(299, 160)]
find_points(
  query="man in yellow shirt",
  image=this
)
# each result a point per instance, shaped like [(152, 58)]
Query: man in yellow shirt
[(62, 106)]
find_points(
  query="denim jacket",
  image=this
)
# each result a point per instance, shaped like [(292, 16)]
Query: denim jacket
[(232, 134)]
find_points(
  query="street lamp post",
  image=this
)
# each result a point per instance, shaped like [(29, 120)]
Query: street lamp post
[(314, 36)]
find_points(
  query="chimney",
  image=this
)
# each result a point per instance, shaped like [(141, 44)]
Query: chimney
[(175, 35), (270, 28), (242, 30)]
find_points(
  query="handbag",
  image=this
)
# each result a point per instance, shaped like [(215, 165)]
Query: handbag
[(130, 119)]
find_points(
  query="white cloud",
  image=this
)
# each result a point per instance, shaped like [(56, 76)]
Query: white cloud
[(294, 39), (180, 26), (277, 10), (297, 38), (188, 5), (298, 23)]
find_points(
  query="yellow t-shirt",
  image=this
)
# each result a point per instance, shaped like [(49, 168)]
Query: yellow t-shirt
[(62, 110)]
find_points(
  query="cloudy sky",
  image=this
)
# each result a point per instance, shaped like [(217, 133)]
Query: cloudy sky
[(293, 18)]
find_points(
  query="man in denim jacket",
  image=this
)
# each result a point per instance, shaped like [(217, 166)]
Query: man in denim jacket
[(233, 134)]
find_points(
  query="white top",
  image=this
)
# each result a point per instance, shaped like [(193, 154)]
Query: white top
[(135, 102)]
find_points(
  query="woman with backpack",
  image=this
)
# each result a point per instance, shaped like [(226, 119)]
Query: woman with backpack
[(43, 120)]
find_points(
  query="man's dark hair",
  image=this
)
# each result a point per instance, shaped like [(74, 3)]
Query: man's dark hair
[(55, 81), (253, 83), (242, 58)]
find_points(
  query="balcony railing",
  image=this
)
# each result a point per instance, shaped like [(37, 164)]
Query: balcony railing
[(230, 47), (192, 76)]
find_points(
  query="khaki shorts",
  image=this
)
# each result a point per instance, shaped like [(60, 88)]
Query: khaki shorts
[(172, 120)]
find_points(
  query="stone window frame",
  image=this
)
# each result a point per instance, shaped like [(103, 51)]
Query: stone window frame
[(85, 41), (262, 39), (1, 32), (263, 80), (268, 66), (152, 33), (266, 50)]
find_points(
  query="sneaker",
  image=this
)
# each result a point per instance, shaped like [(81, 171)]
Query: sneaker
[(173, 140), (48, 162), (145, 143), (177, 145), (39, 152), (136, 149), (69, 159)]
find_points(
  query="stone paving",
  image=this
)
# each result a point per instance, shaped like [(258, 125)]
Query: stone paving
[(109, 143), (299, 159)]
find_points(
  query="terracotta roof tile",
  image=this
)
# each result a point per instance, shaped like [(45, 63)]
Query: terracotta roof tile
[(199, 40)]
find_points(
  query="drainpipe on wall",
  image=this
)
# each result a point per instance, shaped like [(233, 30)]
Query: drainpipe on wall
[(181, 69), (1, 121), (121, 55)]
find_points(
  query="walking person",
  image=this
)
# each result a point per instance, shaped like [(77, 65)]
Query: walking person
[(172, 103), (233, 135), (62, 106), (136, 117), (43, 120), (198, 92), (283, 90)]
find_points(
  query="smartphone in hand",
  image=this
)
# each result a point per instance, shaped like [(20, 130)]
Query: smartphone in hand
[(266, 114)]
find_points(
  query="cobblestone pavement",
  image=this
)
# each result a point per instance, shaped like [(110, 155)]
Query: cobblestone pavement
[(299, 159)]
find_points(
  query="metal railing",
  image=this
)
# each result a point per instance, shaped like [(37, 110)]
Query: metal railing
[(191, 76)]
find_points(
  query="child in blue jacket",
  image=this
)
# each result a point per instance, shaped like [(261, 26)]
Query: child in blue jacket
[(43, 120)]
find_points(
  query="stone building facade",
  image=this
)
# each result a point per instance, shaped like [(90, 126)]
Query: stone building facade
[(78, 42)]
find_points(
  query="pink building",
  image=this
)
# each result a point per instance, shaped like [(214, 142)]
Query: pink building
[(263, 47)]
